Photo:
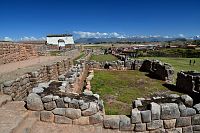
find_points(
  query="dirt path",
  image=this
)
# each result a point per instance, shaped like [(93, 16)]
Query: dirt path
[(13, 70)]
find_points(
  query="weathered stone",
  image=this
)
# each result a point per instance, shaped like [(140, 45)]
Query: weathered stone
[(101, 105), (67, 99), (155, 111), (81, 121), (136, 116), (176, 130), (125, 123), (169, 123), (187, 129), (96, 95), (60, 103), (74, 104), (187, 100), (188, 112), (157, 131), (43, 85), (111, 121), (62, 120), (46, 116), (197, 107), (96, 118), (169, 111), (73, 113), (137, 103), (55, 97), (84, 106), (146, 116), (155, 124), (196, 119), (88, 93), (91, 110), (37, 90), (34, 102), (61, 78), (50, 105), (174, 96), (8, 83), (196, 127), (59, 111), (47, 98), (140, 127), (183, 121)]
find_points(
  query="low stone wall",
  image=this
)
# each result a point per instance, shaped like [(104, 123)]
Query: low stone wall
[(188, 81), (20, 88)]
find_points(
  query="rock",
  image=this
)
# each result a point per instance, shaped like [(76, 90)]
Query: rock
[(84, 106), (81, 121), (169, 111), (187, 129), (196, 119), (73, 113), (67, 99), (50, 105), (91, 110), (61, 78), (96, 95), (155, 111), (183, 121), (169, 123), (188, 112), (59, 111), (155, 124), (173, 96), (125, 123), (74, 104), (187, 100), (55, 97), (60, 103), (46, 116), (37, 90), (43, 85), (96, 118), (196, 127), (111, 121), (47, 98), (146, 116), (176, 130), (137, 103), (62, 120), (8, 83), (197, 107), (34, 102), (88, 93), (101, 105), (140, 127), (80, 102), (136, 116)]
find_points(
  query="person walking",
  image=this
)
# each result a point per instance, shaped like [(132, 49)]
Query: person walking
[(190, 62), (193, 62)]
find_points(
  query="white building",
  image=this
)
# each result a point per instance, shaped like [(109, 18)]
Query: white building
[(60, 40)]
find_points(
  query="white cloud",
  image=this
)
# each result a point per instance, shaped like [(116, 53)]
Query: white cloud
[(83, 34), (7, 39), (181, 35), (32, 38)]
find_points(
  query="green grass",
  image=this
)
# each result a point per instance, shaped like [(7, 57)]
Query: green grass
[(103, 58), (179, 63), (119, 88)]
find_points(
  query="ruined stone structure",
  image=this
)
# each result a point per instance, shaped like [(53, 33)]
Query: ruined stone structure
[(188, 81), (16, 52)]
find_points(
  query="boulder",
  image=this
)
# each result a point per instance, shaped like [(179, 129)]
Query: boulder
[(187, 100), (46, 116), (50, 105), (73, 113), (34, 102)]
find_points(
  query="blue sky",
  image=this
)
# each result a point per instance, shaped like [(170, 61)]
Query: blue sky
[(26, 19)]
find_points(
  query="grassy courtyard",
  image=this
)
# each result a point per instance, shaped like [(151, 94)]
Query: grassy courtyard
[(119, 88), (103, 58)]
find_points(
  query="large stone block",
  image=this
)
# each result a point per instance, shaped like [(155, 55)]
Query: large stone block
[(187, 100), (125, 123), (140, 127), (169, 123), (155, 124), (73, 113), (50, 105), (59, 111), (46, 116), (62, 120), (60, 103), (96, 118), (187, 129), (81, 121), (111, 121), (47, 98), (196, 119), (197, 107), (146, 116), (169, 111), (183, 121), (136, 116), (188, 112), (155, 111), (34, 102), (91, 110), (196, 128)]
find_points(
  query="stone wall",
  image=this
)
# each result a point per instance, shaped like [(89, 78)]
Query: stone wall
[(16, 52), (188, 81)]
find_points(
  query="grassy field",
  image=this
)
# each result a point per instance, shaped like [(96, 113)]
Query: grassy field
[(179, 63), (119, 88), (103, 58)]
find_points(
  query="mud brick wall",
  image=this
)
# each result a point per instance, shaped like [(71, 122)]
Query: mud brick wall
[(188, 81), (16, 52)]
